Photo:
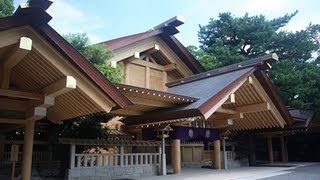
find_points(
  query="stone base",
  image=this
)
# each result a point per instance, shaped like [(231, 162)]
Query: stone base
[(102, 173)]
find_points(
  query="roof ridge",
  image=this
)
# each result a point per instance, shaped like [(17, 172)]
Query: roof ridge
[(262, 62)]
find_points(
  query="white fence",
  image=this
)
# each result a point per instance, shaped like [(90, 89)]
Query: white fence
[(114, 160)]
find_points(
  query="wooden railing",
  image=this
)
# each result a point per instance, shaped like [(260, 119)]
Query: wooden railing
[(36, 156), (114, 160)]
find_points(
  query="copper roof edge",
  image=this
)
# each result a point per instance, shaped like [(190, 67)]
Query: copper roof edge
[(257, 62), (119, 85)]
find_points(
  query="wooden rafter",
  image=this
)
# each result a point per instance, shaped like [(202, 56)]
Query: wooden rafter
[(18, 53), (266, 98)]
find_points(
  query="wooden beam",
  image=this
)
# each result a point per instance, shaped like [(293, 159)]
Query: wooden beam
[(36, 113), (170, 67), (218, 116), (224, 99), (155, 48), (47, 102), (265, 106), (122, 54), (21, 50), (226, 111), (60, 87), (13, 104), (222, 123), (147, 64), (249, 81), (149, 102), (124, 112), (20, 94), (264, 96), (12, 121), (18, 53)]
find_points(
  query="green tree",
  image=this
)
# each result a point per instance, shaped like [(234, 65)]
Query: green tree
[(231, 39), (90, 127), (6, 8), (97, 54)]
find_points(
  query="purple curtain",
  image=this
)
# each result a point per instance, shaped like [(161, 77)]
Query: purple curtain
[(185, 133)]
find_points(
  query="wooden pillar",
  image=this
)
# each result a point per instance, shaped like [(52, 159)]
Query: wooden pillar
[(225, 165), (72, 155), (2, 138), (286, 148), (176, 156), (270, 149), (122, 156), (216, 154), (252, 146), (283, 150), (27, 150), (163, 157)]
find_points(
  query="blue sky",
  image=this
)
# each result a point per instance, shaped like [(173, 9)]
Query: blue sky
[(104, 20)]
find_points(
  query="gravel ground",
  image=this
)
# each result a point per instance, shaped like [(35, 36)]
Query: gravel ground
[(297, 171), (309, 172)]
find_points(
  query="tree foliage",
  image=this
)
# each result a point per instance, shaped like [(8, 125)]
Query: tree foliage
[(6, 8), (90, 127), (97, 54), (231, 39)]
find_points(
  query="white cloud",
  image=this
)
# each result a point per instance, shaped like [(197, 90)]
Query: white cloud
[(68, 18)]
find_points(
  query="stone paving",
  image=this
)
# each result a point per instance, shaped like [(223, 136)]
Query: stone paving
[(296, 171), (309, 172)]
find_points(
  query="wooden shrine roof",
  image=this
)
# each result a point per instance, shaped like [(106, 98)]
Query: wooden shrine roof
[(166, 32), (51, 60), (145, 100), (252, 89)]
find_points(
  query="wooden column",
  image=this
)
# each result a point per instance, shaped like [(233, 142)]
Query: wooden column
[(225, 166), (176, 156), (283, 150), (270, 149), (2, 138), (27, 150), (163, 157), (122, 156), (72, 155), (216, 154), (252, 146)]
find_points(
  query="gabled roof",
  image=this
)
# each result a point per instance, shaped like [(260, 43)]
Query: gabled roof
[(302, 117), (34, 15), (166, 32), (212, 87)]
